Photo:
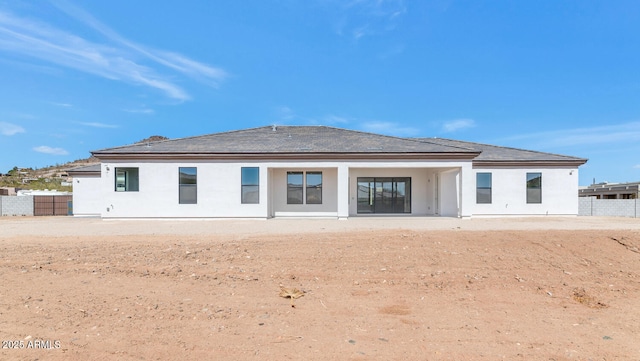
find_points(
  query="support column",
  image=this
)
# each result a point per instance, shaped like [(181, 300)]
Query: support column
[(467, 190), (343, 192)]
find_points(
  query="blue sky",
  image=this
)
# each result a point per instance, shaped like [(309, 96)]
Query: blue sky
[(551, 75)]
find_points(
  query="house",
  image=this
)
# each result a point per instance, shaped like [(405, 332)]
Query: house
[(611, 191), (320, 171)]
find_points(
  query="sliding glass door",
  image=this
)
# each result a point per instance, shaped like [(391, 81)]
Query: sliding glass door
[(384, 195)]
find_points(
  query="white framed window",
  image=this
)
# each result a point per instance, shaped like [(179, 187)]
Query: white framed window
[(483, 188), (250, 180), (314, 187), (304, 187), (127, 179), (188, 185), (534, 187)]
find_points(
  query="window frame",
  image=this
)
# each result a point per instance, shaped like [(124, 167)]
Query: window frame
[(131, 179), (295, 188), (315, 189), (374, 198), (302, 189), (481, 187), (246, 184), (534, 189), (184, 187)]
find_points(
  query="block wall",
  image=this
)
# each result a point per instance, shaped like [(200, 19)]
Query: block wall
[(590, 206), (16, 206)]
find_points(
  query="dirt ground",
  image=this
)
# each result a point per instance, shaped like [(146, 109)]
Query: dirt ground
[(373, 289)]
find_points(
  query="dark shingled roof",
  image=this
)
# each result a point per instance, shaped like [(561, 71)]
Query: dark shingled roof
[(493, 153), (287, 139), (93, 168), (318, 141)]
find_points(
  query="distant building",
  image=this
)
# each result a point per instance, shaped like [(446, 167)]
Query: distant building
[(611, 191), (7, 191)]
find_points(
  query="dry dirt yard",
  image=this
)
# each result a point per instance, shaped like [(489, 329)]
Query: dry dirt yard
[(374, 289)]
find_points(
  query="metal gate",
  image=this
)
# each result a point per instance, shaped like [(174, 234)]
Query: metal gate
[(52, 205)]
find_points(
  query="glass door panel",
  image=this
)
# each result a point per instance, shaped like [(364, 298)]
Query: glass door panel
[(365, 195), (384, 195)]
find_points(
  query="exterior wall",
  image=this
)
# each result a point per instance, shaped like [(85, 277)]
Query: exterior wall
[(16, 205), (218, 191), (509, 192), (421, 204), (437, 188), (427, 185), (329, 206), (450, 193), (590, 206), (87, 198)]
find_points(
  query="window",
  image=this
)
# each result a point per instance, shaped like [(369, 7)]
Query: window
[(188, 193), (384, 195), (314, 187), (294, 188), (250, 185), (534, 187), (126, 179), (483, 187), (303, 186)]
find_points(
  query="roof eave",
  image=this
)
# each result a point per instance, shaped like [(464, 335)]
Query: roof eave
[(529, 163), (84, 173), (286, 156)]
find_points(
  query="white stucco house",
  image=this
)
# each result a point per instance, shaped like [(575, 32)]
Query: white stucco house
[(320, 171)]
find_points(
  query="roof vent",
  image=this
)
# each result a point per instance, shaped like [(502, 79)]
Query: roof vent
[(274, 128)]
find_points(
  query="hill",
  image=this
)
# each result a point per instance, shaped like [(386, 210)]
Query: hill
[(54, 176)]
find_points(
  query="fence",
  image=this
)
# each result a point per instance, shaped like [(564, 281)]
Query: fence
[(52, 205), (36, 205), (591, 206)]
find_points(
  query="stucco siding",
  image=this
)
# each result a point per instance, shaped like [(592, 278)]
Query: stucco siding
[(450, 193), (87, 198), (443, 188), (419, 201), (329, 206), (509, 192), (218, 191)]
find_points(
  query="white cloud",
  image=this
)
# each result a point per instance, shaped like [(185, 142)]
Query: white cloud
[(458, 124), (335, 119), (140, 111), (389, 128), (63, 105), (119, 59), (98, 125), (172, 60), (625, 133), (50, 150), (361, 18), (10, 129), (285, 113)]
